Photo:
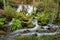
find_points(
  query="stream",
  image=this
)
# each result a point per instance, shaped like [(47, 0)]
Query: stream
[(32, 30), (29, 9)]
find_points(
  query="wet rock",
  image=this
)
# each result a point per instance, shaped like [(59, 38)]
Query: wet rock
[(35, 34), (6, 28), (40, 31), (27, 25), (42, 24), (2, 32), (26, 31), (57, 38)]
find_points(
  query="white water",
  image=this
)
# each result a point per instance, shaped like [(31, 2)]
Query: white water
[(17, 32), (10, 23), (38, 34), (32, 33), (27, 8), (30, 29), (19, 9)]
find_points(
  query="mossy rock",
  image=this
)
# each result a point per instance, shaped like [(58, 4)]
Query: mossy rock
[(52, 30), (42, 24), (2, 32), (39, 31), (26, 24)]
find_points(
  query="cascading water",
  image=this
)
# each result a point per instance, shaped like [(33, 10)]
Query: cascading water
[(29, 9), (36, 23), (19, 8), (30, 29)]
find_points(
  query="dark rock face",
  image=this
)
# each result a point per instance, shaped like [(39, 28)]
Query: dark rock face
[(56, 38), (1, 5)]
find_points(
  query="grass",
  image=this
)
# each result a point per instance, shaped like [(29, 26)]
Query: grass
[(33, 37)]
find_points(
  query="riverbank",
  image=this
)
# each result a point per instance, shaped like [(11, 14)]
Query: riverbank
[(34, 37)]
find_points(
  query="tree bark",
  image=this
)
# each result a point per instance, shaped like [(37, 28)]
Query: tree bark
[(4, 3)]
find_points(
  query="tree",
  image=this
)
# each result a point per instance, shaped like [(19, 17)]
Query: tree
[(4, 3)]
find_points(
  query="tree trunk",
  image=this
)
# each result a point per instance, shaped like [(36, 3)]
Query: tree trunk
[(4, 3)]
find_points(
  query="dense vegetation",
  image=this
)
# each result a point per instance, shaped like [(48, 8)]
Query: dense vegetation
[(47, 12)]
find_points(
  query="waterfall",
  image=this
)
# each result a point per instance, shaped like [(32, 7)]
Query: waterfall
[(36, 23), (19, 9), (27, 8)]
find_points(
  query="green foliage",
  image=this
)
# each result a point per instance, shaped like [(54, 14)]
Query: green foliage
[(26, 38), (8, 38), (27, 24), (30, 24), (1, 1), (20, 15), (16, 24), (43, 17), (9, 12), (39, 31), (2, 21), (47, 37), (53, 17), (31, 16), (40, 5), (1, 13)]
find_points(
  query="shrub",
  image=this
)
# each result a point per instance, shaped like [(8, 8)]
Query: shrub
[(2, 21), (27, 24), (16, 24), (53, 17), (43, 17), (21, 15), (26, 38), (9, 12)]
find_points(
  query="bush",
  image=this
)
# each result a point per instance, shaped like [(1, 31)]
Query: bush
[(21, 15), (26, 38), (9, 12), (43, 17), (2, 21), (53, 17), (16, 24), (27, 24)]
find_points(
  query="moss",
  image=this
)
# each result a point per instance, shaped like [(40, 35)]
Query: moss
[(43, 18), (2, 21), (26, 38), (27, 24), (39, 31)]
